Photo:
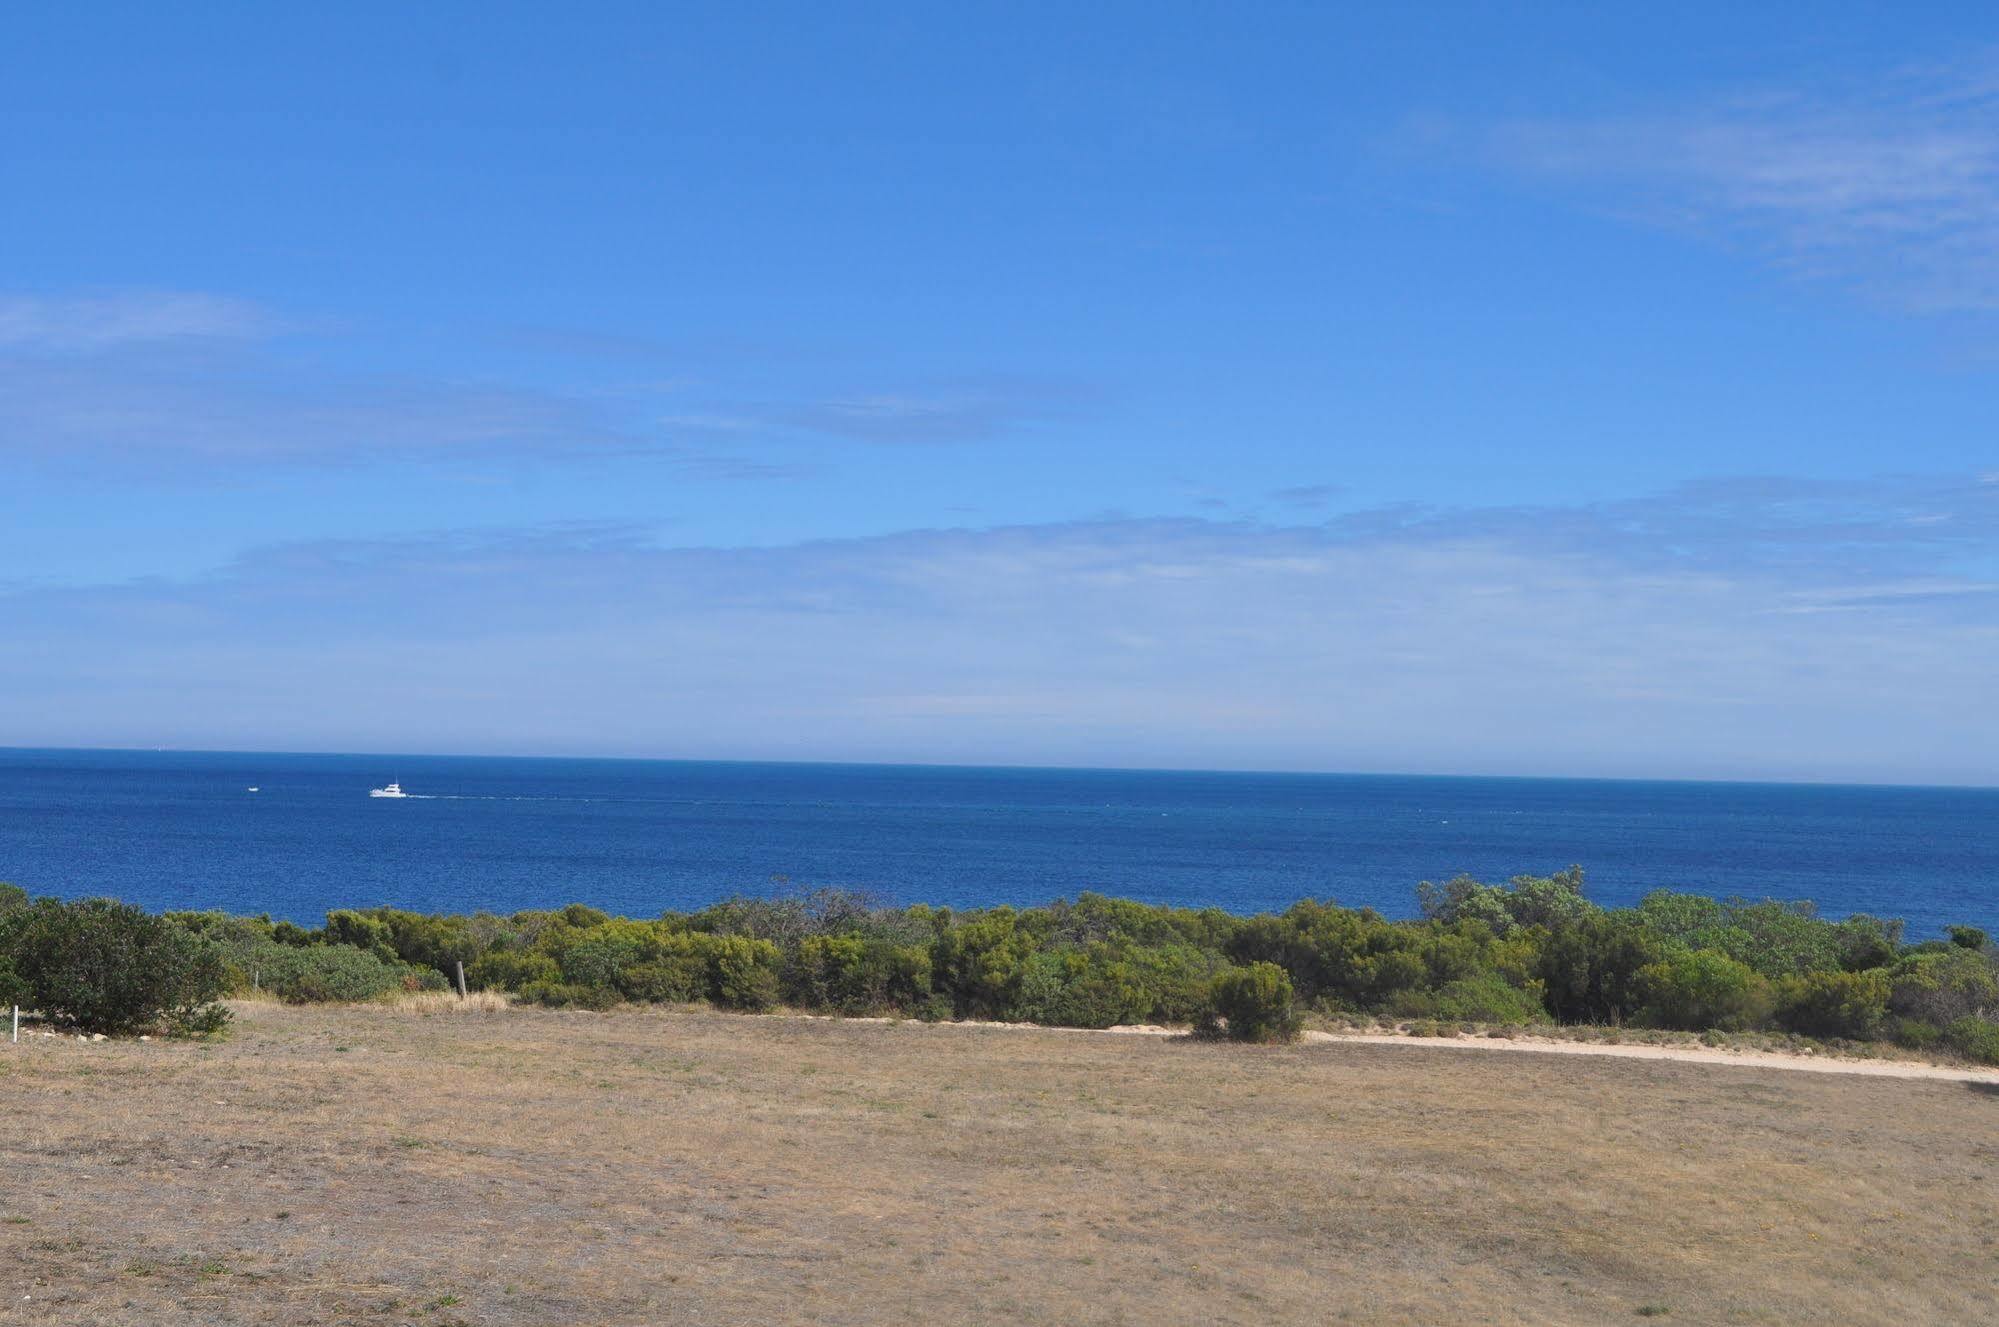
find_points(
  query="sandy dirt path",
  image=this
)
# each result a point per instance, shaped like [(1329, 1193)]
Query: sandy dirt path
[(1744, 1059), (1812, 1064)]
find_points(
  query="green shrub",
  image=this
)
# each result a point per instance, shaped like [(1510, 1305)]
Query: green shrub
[(743, 973), (1173, 979), (13, 987), (1549, 902), (979, 964), (1966, 937), (1485, 998), (567, 995), (1944, 985), (1868, 942), (1702, 988), (670, 979), (104, 966), (1080, 988), (319, 974), (1974, 1038), (788, 918), (1775, 938), (1353, 959), (362, 930), (1833, 1004), (596, 957), (851, 975), (1251, 1004), (1589, 968), (1914, 1033), (510, 970)]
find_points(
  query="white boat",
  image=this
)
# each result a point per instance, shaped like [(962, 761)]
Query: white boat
[(393, 790), (252, 788)]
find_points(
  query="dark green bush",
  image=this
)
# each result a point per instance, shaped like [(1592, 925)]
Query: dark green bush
[(670, 979), (1080, 988), (1352, 959), (1833, 1004), (1697, 989), (1776, 939), (567, 995), (510, 970), (317, 974), (104, 966), (1914, 1033), (1174, 979), (1589, 968), (1974, 1038), (1943, 985), (1966, 937), (13, 987), (979, 964), (855, 976), (1485, 998), (743, 973), (1548, 902), (1251, 1004), (361, 930)]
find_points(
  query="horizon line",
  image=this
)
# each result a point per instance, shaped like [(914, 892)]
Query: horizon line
[(1023, 767)]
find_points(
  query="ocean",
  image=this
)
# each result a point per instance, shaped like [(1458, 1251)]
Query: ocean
[(178, 829)]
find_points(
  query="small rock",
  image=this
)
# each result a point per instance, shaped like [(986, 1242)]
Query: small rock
[(143, 1037), (97, 1036)]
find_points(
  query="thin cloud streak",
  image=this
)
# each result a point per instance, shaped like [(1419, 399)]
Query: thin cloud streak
[(1892, 188), (181, 383), (73, 324)]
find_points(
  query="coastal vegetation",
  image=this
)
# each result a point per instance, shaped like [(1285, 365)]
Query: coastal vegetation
[(1534, 950)]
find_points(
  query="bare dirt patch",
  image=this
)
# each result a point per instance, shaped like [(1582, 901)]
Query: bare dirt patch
[(358, 1165)]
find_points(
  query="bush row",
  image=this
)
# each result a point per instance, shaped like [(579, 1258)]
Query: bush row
[(1533, 949)]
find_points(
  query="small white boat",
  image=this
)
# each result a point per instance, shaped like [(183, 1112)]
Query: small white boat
[(252, 788), (393, 790)]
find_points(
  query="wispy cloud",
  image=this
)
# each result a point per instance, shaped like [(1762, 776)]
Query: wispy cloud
[(1307, 495), (1891, 186), (99, 322), (183, 381), (1805, 634), (901, 418), (154, 417), (964, 412)]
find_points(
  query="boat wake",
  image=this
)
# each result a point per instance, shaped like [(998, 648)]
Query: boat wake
[(496, 797)]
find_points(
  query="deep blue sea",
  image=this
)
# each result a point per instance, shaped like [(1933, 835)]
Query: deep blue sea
[(178, 829)]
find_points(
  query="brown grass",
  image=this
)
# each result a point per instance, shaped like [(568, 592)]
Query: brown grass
[(356, 1165), (427, 1003)]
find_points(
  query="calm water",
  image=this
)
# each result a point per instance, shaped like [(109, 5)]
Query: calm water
[(178, 830)]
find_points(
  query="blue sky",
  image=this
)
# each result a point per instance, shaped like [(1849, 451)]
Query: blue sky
[(1562, 389)]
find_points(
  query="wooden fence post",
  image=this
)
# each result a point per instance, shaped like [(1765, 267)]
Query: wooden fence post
[(461, 978)]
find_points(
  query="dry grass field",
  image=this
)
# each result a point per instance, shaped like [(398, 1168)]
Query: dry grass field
[(372, 1166)]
